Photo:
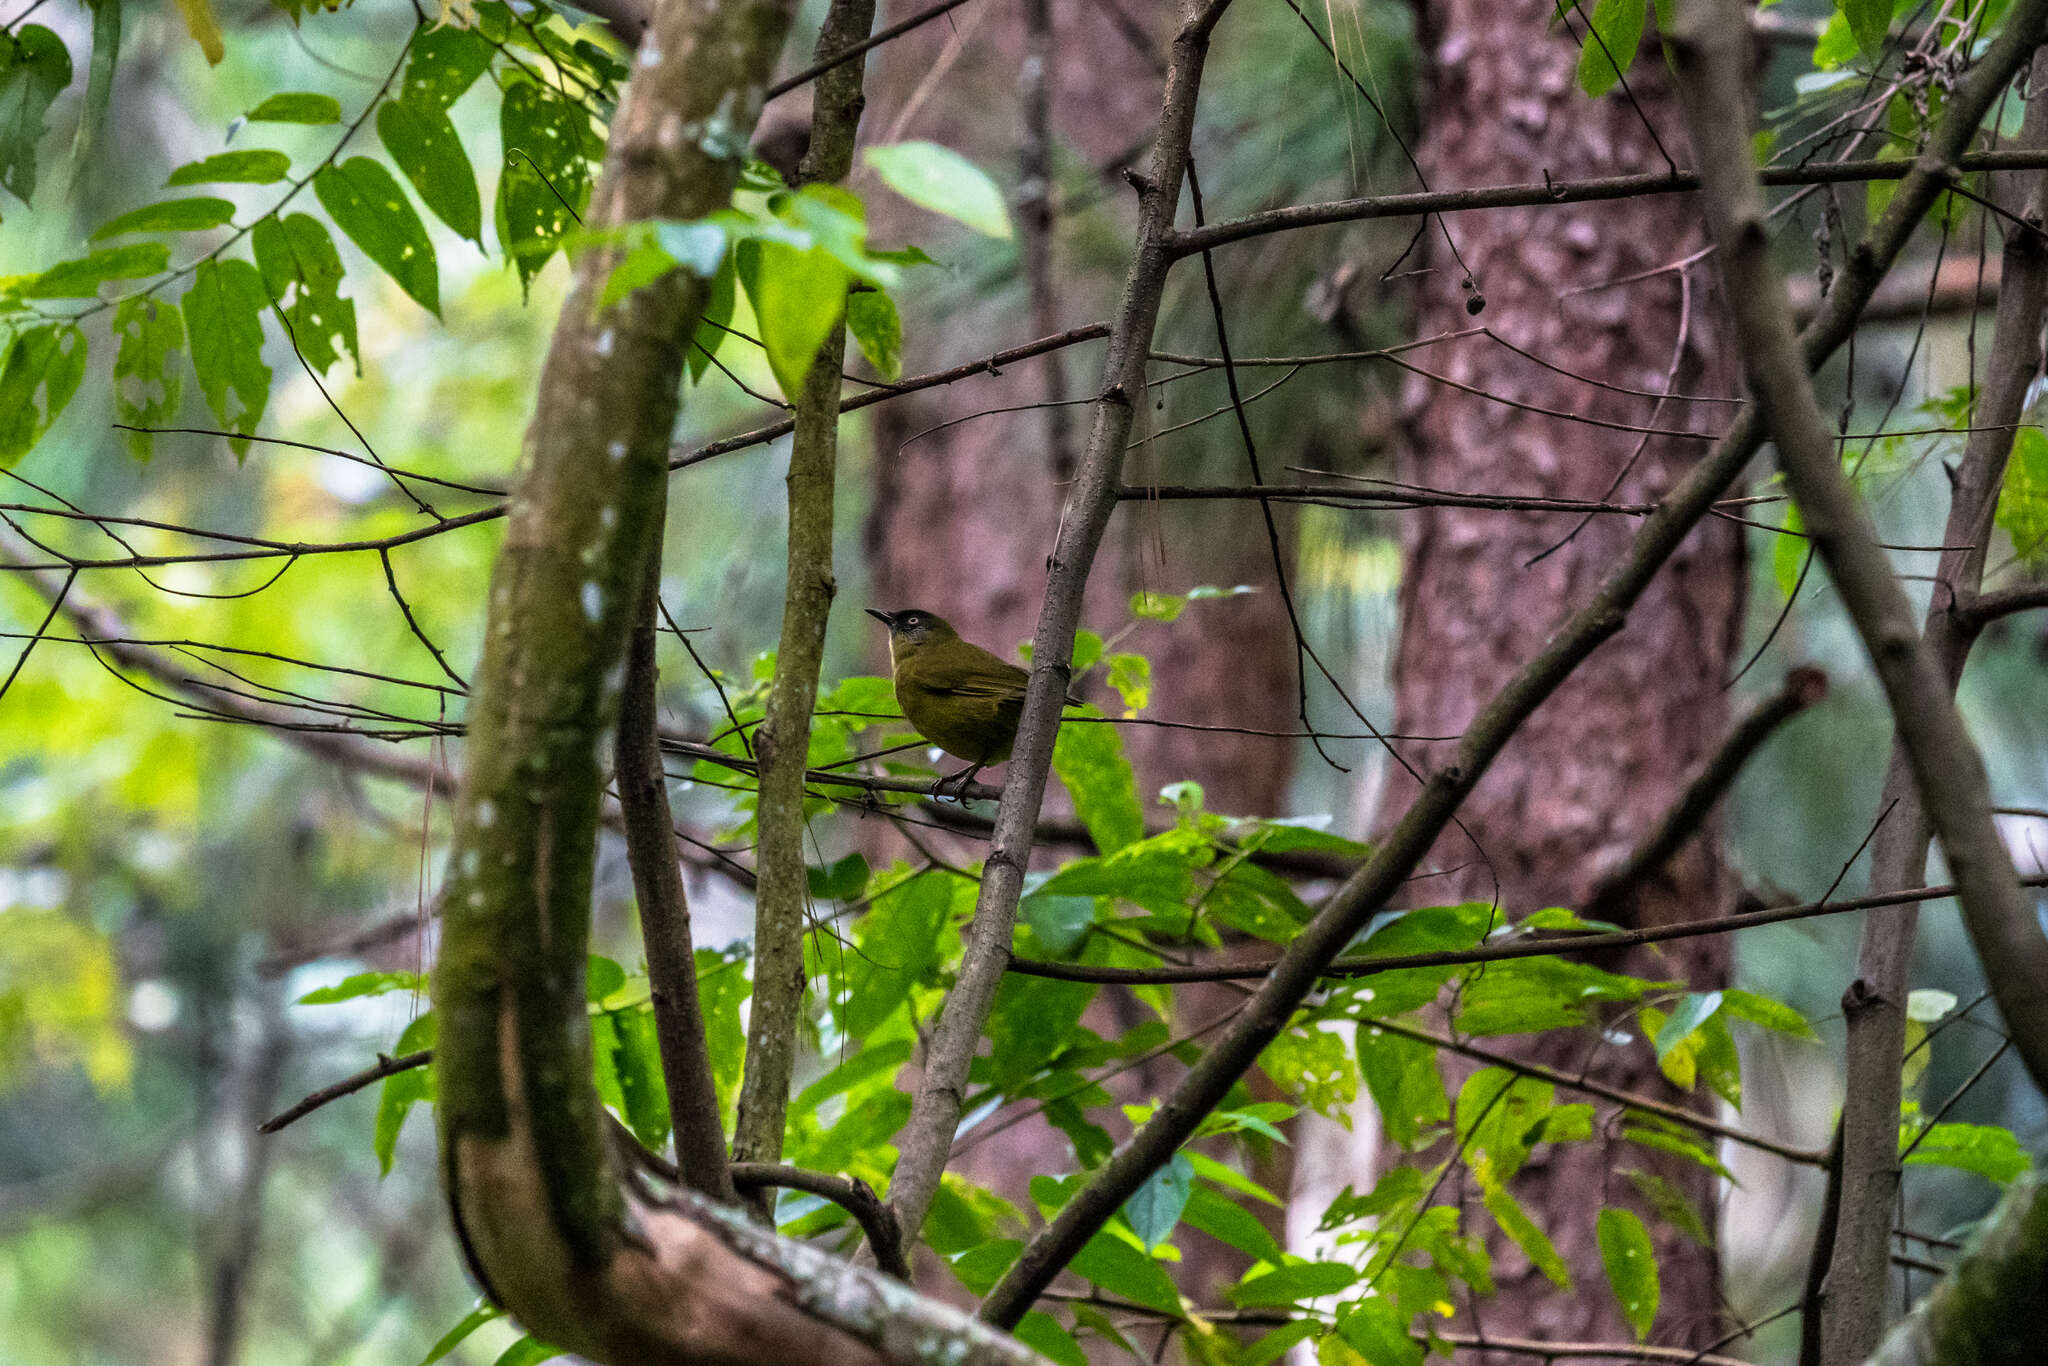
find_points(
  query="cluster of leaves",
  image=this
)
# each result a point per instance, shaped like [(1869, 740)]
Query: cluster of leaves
[(556, 89), (800, 256)]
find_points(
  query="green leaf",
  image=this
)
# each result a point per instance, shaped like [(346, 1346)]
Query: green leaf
[(1131, 676), (1155, 1207), (302, 272), (34, 69), (224, 321), (1516, 1223), (1042, 1333), (2023, 498), (252, 166), (1402, 1077), (169, 215), (643, 1091), (296, 106), (81, 279), (872, 320), (1694, 1009), (843, 881), (1790, 551), (444, 62), (698, 247), (1617, 32), (1277, 1343), (402, 1090), (798, 297), (147, 385), (1231, 1223), (717, 316), (1294, 1283), (1152, 606), (365, 984), (1090, 761), (450, 1340), (1669, 1141), (545, 181), (1670, 1204), (1765, 1013), (940, 179), (1631, 1264), (1117, 1267), (643, 264), (1985, 1149), (1869, 21), (39, 372), (528, 1351), (366, 203), (1379, 1331), (423, 144), (1927, 1005), (1058, 923), (899, 950)]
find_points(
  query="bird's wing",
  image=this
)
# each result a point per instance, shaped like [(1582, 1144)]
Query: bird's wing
[(980, 675)]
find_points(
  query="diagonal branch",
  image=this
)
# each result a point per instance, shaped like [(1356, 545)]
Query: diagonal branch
[(927, 1138), (1946, 768), (1851, 1313)]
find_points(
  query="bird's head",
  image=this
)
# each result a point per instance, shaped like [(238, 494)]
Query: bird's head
[(914, 626)]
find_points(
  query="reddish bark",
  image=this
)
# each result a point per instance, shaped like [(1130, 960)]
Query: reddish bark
[(1597, 764)]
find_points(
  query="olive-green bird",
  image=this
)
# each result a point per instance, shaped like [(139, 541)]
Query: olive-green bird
[(959, 696)]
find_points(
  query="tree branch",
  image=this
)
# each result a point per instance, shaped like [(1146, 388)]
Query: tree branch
[(1188, 242), (927, 1138), (1803, 687), (782, 745), (1852, 1305), (664, 905)]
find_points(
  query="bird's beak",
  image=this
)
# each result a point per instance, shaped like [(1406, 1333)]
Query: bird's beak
[(885, 618)]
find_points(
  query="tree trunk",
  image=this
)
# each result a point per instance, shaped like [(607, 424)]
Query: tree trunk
[(1594, 767)]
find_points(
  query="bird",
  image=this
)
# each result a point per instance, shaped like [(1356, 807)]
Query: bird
[(959, 696)]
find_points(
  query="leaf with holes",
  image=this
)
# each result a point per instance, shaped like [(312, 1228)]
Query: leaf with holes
[(147, 382), (366, 202), (302, 272), (443, 63), (39, 372), (545, 181), (423, 144)]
